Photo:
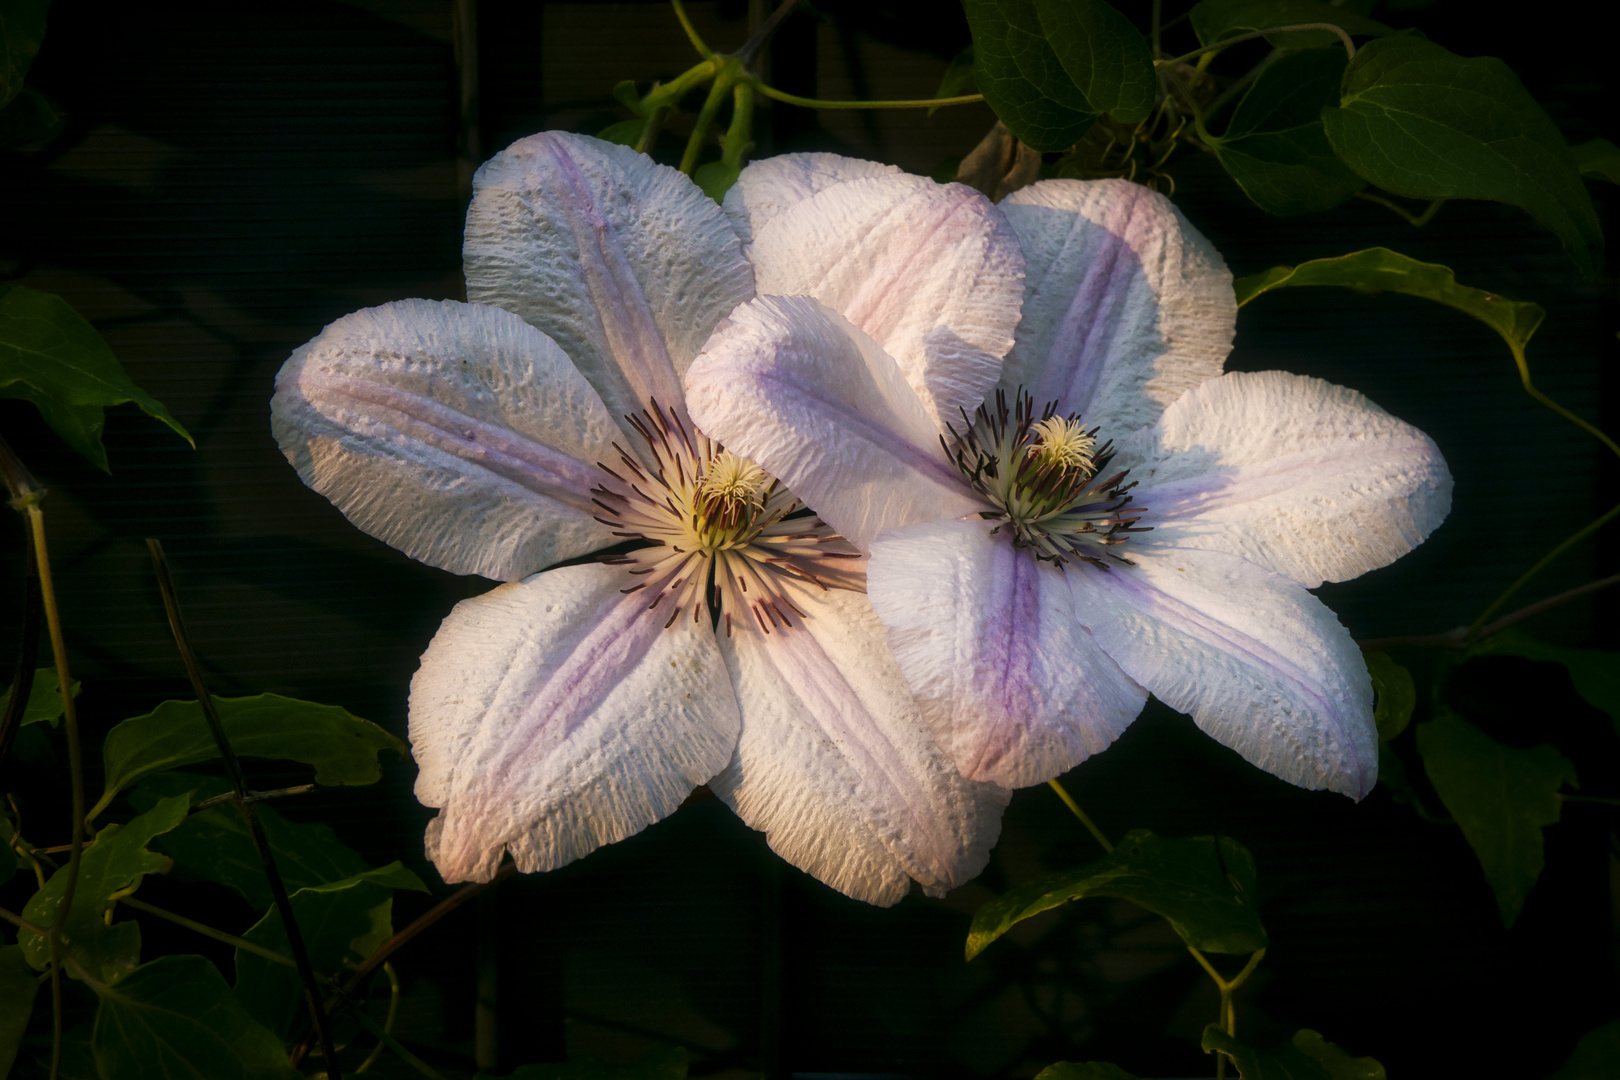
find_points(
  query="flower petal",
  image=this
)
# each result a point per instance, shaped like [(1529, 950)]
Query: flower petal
[(930, 272), (1126, 306), (457, 433), (772, 185), (623, 261), (1258, 662), (555, 715), (1295, 474), (835, 765), (795, 387), (1015, 689)]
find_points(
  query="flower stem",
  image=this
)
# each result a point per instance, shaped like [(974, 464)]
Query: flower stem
[(817, 103), (208, 931), (1091, 826), (691, 31), (705, 120)]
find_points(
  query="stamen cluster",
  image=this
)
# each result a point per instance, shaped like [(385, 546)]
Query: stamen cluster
[(1042, 477), (723, 535)]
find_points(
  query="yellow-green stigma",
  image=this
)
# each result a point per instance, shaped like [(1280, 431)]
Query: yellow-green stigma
[(1042, 477)]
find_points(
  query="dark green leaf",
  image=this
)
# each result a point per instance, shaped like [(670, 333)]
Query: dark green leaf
[(341, 922), (1380, 269), (175, 1019), (624, 92), (49, 355), (342, 747), (659, 1063), (1423, 122), (1595, 673), (716, 178), (22, 28), (18, 985), (1397, 695), (625, 132), (114, 863), (1203, 885), (1021, 78), (1307, 1056), (30, 121), (958, 79), (1596, 1056), (214, 844), (1084, 1070), (1501, 797), (1275, 147), (1217, 20), (1599, 158), (44, 697), (1103, 54)]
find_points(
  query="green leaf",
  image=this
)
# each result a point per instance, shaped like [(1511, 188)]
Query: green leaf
[(1423, 122), (1203, 885), (625, 132), (1596, 1056), (342, 747), (1275, 146), (1084, 1070), (340, 922), (1217, 20), (1021, 78), (1595, 673), (44, 697), (958, 79), (18, 985), (1599, 158), (1105, 57), (1397, 694), (716, 178), (659, 1063), (624, 92), (214, 844), (49, 355), (1380, 269), (115, 863), (175, 1019), (1501, 797), (1307, 1056), (22, 28)]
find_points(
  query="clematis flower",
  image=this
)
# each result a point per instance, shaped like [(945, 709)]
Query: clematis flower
[(1108, 516), (721, 636)]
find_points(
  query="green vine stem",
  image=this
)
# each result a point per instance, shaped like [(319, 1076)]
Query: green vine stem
[(388, 1023), (208, 931), (22, 682), (691, 31), (1460, 639), (233, 767), (1225, 43), (705, 119), (817, 103), (1417, 221)]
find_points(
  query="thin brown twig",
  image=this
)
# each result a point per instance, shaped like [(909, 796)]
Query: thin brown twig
[(19, 921), (22, 683), (272, 874), (1459, 639)]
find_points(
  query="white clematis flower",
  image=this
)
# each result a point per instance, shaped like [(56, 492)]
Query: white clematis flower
[(730, 644), (1118, 519)]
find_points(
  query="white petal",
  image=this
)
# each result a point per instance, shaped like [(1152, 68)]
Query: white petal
[(836, 767), (1016, 690), (930, 272), (555, 715), (814, 401), (1300, 476), (623, 261), (1258, 662), (455, 432), (1126, 306), (771, 185)]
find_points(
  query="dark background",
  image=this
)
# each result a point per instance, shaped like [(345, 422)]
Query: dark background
[(232, 177)]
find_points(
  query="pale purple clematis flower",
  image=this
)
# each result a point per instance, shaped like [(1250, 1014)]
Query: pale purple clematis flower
[(1119, 518), (728, 643)]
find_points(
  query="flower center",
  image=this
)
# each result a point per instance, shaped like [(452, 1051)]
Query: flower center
[(723, 536), (1042, 477)]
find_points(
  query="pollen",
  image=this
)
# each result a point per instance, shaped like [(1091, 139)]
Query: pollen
[(732, 479), (1063, 443)]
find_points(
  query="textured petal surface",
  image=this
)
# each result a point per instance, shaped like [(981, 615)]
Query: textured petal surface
[(555, 715), (1015, 689), (772, 185), (457, 433), (1300, 476), (623, 261), (931, 272), (837, 768), (1258, 662), (795, 387), (1126, 306)]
